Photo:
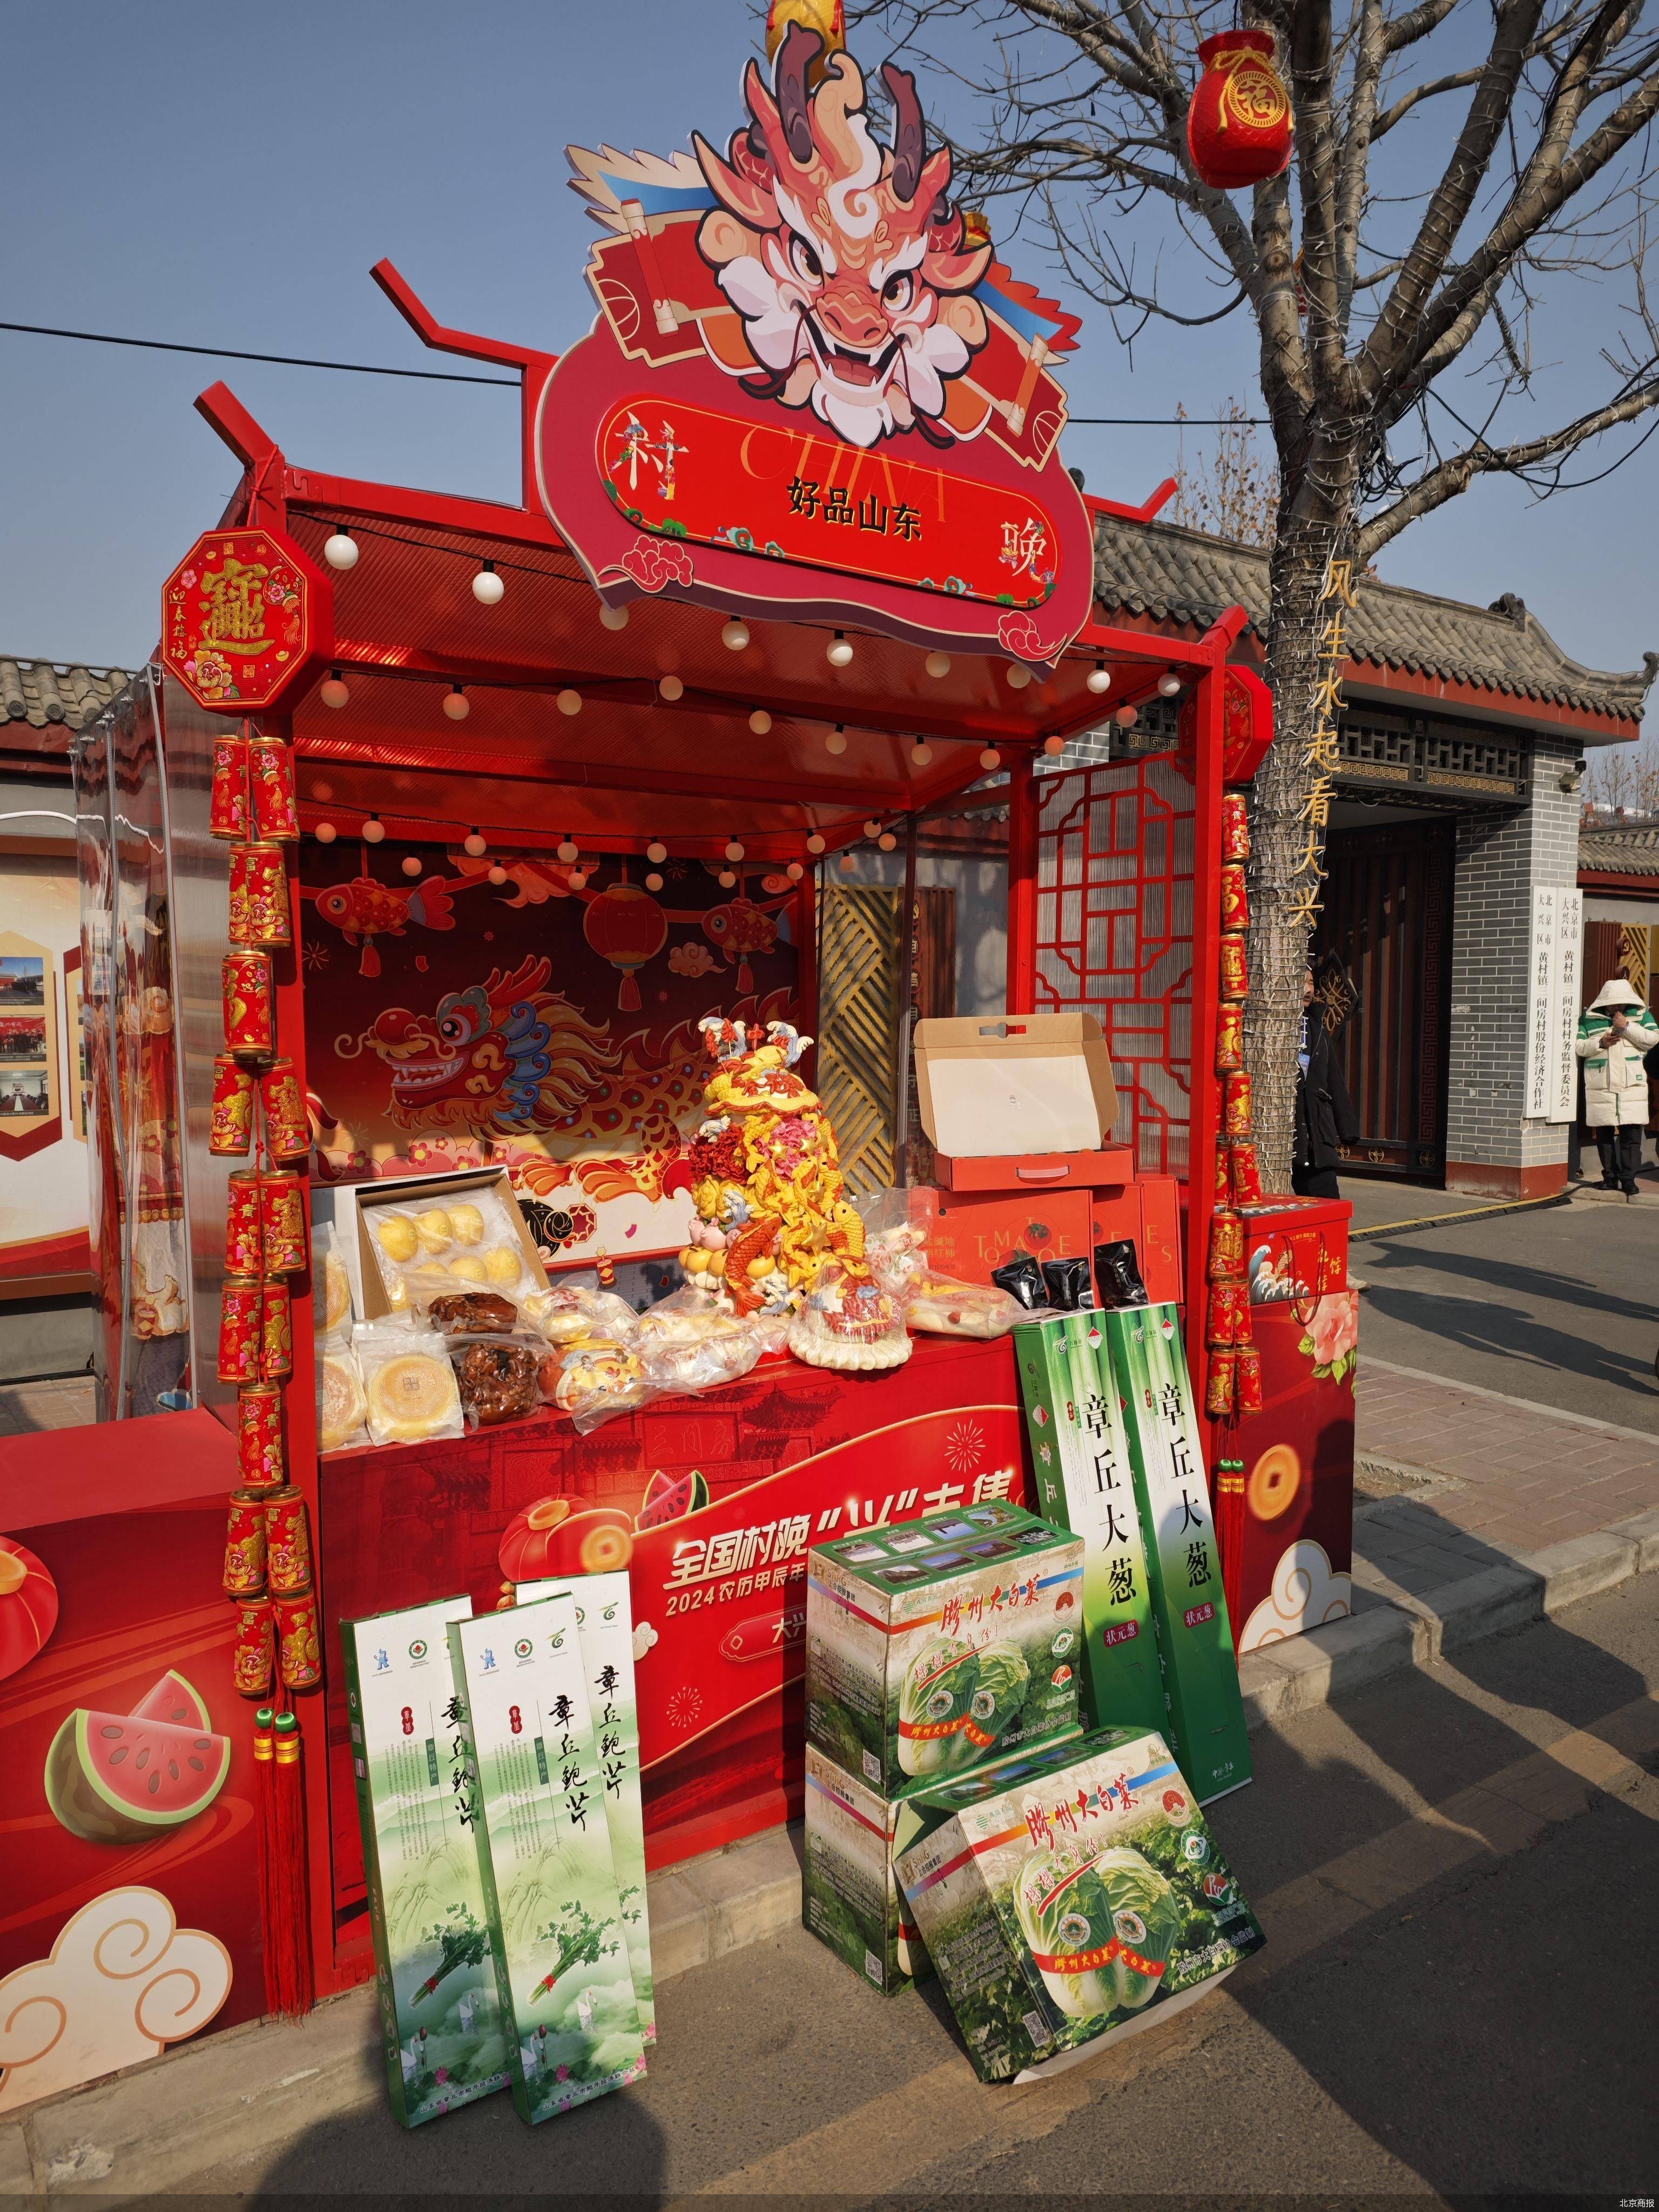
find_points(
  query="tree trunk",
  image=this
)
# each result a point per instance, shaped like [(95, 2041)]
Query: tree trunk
[(1279, 828)]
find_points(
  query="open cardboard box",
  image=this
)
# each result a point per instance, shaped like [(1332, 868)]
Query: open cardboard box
[(354, 1203), (1019, 1101)]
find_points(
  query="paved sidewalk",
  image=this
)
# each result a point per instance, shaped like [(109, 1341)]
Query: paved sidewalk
[(65, 1402)]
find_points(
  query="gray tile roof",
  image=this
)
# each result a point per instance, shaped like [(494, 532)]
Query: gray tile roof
[(48, 693), (1173, 574), (1613, 850)]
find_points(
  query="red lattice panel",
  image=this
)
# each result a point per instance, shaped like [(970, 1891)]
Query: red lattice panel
[(1114, 936)]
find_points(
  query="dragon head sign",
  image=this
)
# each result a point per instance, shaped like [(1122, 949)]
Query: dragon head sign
[(812, 389)]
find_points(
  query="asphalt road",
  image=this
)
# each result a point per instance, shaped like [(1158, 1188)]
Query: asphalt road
[(1560, 1305), (1458, 1995)]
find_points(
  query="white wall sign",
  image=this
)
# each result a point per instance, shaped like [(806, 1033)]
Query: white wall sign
[(1552, 996)]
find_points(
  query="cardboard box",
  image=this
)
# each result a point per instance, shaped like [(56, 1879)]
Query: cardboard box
[(934, 1644), (850, 1897), (972, 1232), (1019, 1086), (1143, 1363), (446, 2039), (557, 1935), (1080, 1458), (1037, 1172), (604, 1626), (355, 1203)]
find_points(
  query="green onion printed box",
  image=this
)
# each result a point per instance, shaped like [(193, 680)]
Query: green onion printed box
[(604, 1625), (1143, 1359), (543, 1849), (1075, 1906), (446, 2042), (1080, 1456), (936, 1644)]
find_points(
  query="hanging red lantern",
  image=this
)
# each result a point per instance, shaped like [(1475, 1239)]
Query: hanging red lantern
[(1239, 130), (626, 926), (1246, 712)]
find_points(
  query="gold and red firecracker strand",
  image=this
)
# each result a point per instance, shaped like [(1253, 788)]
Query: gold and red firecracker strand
[(259, 914), (259, 1436), (250, 1004)]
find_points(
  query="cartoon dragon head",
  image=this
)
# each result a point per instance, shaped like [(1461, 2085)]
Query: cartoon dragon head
[(846, 259), (504, 1055)]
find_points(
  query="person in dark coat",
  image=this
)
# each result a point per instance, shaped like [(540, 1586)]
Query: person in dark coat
[(1324, 1118)]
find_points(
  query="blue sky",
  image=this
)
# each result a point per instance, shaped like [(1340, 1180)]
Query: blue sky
[(192, 171)]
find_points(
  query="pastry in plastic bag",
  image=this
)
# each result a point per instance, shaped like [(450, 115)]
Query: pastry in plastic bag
[(687, 1317), (675, 1369), (467, 1224), (595, 1381), (503, 1265), (408, 1384), (474, 1313), (498, 1382), (851, 1325), (342, 1409), (468, 1269), (435, 1230), (396, 1236), (331, 1287), (941, 1306), (571, 1313)]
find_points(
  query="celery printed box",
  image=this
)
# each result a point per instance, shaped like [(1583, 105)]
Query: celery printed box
[(543, 1848), (1074, 1906), (445, 2038), (604, 1625), (938, 1642)]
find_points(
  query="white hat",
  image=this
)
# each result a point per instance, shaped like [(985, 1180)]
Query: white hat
[(1617, 993)]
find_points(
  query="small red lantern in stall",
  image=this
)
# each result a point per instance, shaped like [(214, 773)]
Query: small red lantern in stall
[(626, 926), (1239, 128)]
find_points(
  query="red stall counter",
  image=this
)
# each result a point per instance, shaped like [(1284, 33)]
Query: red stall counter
[(1285, 1507)]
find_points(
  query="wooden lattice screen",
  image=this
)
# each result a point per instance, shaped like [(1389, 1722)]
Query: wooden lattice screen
[(1114, 936), (858, 1040)]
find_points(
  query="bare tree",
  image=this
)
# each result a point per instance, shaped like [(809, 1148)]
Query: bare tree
[(1232, 490), (1625, 778), (1393, 283)]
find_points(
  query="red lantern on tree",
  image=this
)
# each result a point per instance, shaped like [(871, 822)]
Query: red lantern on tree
[(1239, 128), (626, 926)]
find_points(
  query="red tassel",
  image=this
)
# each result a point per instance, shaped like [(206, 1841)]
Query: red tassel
[(264, 1803), (288, 1987)]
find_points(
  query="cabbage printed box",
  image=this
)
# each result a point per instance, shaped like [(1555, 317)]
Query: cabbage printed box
[(1075, 1906), (1144, 1363), (604, 1626), (445, 2040), (556, 1911), (934, 1645), (1080, 1458)]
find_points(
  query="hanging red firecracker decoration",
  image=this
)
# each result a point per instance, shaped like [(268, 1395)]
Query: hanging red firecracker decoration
[(1239, 130), (625, 925)]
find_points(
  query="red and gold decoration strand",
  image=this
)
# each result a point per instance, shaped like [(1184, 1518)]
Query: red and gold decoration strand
[(268, 1573), (1233, 1383)]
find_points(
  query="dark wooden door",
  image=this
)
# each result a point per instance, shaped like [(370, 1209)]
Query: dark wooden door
[(1388, 917)]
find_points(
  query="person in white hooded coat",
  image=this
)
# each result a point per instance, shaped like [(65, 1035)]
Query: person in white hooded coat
[(1616, 1034)]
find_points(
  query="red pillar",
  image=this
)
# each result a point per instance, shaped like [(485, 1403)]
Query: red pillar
[(805, 918), (1206, 918), (1022, 887)]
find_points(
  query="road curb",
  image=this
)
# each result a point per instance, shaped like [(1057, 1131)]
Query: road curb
[(1528, 1405)]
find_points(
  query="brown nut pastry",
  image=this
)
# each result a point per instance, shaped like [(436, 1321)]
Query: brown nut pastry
[(474, 1313), (498, 1382)]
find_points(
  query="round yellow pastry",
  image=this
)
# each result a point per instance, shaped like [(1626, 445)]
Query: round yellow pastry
[(434, 1229), (342, 1408), (469, 1269), (467, 1222), (503, 1264), (398, 1236), (336, 1293), (410, 1398)]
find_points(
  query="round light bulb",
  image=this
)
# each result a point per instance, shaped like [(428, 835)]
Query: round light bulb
[(794, 871), (837, 740), (498, 874), (373, 829), (938, 664), (326, 832), (734, 851), (488, 588), (847, 864), (577, 879), (474, 845), (341, 552), (887, 841), (760, 721), (1100, 678), (735, 634), (839, 650), (322, 792), (411, 864), (1127, 717), (334, 692), (614, 617), (654, 881), (990, 757), (567, 850), (921, 753), (457, 705), (570, 702), (815, 843), (872, 828), (656, 851), (1054, 747), (1019, 675), (1168, 684), (726, 880), (670, 687)]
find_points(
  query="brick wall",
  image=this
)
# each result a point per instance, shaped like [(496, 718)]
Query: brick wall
[(1499, 860)]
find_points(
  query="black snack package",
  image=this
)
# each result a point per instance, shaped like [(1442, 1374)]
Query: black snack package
[(1067, 1283), (1117, 1276), (1022, 1279)]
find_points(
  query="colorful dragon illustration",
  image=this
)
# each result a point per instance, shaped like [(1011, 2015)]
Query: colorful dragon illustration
[(847, 261)]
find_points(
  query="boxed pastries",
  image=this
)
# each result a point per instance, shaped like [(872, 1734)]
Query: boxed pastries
[(1070, 1906), (934, 1644), (438, 1236)]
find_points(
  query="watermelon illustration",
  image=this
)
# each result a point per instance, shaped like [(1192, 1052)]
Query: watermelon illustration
[(671, 1497), (118, 1778)]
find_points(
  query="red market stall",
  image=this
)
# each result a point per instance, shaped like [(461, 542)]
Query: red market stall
[(526, 794)]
